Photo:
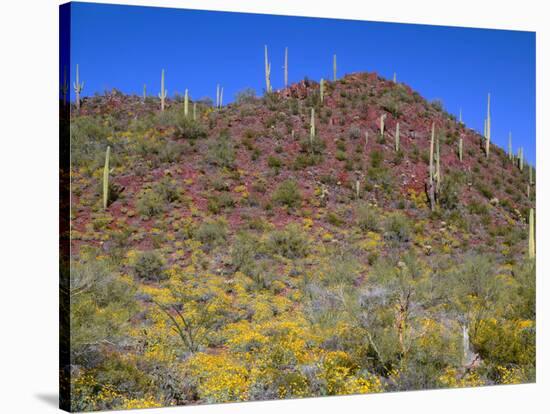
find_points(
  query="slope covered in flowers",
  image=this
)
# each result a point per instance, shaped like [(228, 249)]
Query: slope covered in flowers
[(241, 258)]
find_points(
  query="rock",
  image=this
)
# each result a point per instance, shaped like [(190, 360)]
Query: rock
[(494, 201)]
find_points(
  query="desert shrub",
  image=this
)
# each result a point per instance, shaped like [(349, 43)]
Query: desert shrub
[(168, 190), (101, 305), (247, 95), (354, 132), (397, 228), (334, 218), (211, 232), (367, 218), (289, 242), (221, 152), (448, 197), (149, 265), (274, 162), (149, 203), (88, 141), (243, 252), (218, 202), (376, 159), (288, 194), (188, 128), (171, 152), (306, 160)]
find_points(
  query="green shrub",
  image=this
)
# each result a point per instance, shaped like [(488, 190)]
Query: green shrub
[(149, 203), (211, 232), (289, 242), (221, 152), (88, 141), (367, 218), (188, 128), (149, 266), (397, 228), (274, 162), (218, 202), (288, 194)]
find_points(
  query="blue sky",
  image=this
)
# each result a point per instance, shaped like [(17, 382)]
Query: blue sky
[(124, 47)]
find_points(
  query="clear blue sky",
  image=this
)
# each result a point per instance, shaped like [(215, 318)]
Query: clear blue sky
[(124, 47)]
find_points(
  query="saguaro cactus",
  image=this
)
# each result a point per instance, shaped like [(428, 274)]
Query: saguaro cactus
[(186, 103), (488, 132), (312, 126), (194, 111), (357, 188), (382, 119), (163, 92), (366, 139), (286, 67), (334, 78), (394, 77), (531, 234), (267, 71), (510, 153), (521, 159), (430, 185), (531, 182), (77, 88), (219, 96), (460, 116), (397, 137), (106, 179), (322, 89), (144, 96), (437, 168), (460, 148)]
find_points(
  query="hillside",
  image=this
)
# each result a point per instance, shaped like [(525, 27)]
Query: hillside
[(243, 257)]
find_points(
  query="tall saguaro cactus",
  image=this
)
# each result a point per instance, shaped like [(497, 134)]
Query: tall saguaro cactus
[(106, 179), (430, 189), (394, 77), (267, 71), (488, 132), (437, 167), (186, 103), (510, 153), (334, 78), (286, 67), (312, 126), (219, 96), (531, 234), (163, 93), (77, 88), (144, 96), (382, 119), (194, 111), (322, 90), (397, 137), (460, 116), (531, 182), (460, 148)]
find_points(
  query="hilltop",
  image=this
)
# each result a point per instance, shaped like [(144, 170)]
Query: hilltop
[(306, 263)]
